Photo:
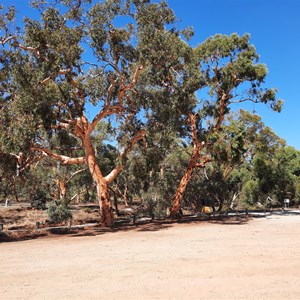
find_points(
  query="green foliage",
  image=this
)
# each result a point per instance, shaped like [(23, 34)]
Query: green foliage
[(272, 177), (8, 170), (297, 191), (59, 212), (81, 53), (8, 165), (251, 193), (233, 75), (155, 201), (38, 199)]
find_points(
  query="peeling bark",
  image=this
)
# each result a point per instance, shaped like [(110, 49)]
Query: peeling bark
[(106, 215), (197, 160), (176, 204), (82, 129), (66, 160)]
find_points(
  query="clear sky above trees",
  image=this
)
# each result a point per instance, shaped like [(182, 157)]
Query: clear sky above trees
[(274, 28)]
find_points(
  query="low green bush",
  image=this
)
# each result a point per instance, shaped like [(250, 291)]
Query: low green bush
[(38, 199), (59, 212)]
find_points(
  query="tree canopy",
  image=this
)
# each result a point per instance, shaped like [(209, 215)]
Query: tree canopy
[(94, 88)]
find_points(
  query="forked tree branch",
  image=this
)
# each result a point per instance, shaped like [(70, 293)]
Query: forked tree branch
[(52, 76), (203, 161), (113, 174), (35, 50), (129, 86), (106, 111), (223, 105)]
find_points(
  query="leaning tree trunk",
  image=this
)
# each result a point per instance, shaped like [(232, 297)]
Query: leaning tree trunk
[(197, 160), (106, 215), (176, 204)]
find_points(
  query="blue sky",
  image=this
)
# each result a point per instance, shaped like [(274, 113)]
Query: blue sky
[(274, 26)]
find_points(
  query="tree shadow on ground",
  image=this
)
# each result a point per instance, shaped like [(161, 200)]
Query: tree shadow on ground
[(154, 227), (97, 230), (235, 220), (148, 225), (24, 236), (138, 227)]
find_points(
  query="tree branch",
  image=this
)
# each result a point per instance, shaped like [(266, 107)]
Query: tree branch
[(203, 161), (6, 40), (80, 93), (75, 173), (106, 111), (129, 86), (113, 174), (66, 160), (134, 79), (192, 122), (61, 125), (223, 105), (77, 194), (227, 171), (110, 90), (35, 50), (244, 100), (52, 76), (23, 47)]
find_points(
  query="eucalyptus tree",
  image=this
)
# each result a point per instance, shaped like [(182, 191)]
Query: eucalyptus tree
[(232, 74), (222, 181), (242, 137), (116, 55), (274, 177), (150, 176), (257, 176), (257, 173), (259, 137)]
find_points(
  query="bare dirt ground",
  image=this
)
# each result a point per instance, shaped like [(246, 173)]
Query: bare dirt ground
[(236, 259)]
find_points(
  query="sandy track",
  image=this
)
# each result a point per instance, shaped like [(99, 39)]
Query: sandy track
[(256, 260)]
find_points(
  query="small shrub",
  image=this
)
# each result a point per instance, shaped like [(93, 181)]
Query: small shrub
[(59, 212), (38, 199), (155, 202)]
